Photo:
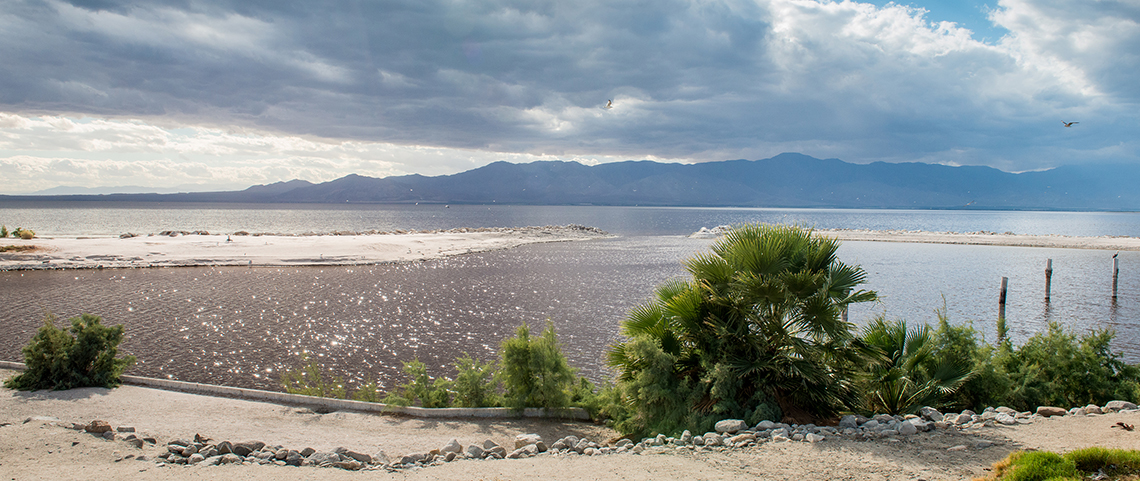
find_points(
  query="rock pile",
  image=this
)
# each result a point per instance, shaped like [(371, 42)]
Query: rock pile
[(728, 434)]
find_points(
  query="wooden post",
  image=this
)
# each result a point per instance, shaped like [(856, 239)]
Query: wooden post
[(1001, 299), (1048, 278), (1115, 272)]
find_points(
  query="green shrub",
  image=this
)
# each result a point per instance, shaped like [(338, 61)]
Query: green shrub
[(757, 332), (3, 231), (535, 372), (310, 381), (907, 374), (431, 393), (58, 360), (1088, 463), (476, 384)]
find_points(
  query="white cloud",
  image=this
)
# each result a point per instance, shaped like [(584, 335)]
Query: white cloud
[(447, 86)]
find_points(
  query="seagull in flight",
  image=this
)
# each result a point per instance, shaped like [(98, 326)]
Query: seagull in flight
[(609, 104), (1069, 124)]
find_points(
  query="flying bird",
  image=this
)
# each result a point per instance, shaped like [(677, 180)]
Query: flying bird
[(1069, 124), (609, 104)]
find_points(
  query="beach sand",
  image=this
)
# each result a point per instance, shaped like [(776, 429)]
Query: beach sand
[(1121, 243), (37, 443), (273, 250)]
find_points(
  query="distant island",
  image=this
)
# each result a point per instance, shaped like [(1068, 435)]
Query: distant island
[(786, 180)]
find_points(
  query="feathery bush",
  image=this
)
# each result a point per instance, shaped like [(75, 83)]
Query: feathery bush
[(85, 357)]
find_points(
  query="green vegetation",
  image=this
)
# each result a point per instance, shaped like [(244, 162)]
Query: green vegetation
[(534, 373), (56, 359), (310, 381), (3, 231), (757, 332), (908, 375), (1088, 463), (17, 248), (23, 233)]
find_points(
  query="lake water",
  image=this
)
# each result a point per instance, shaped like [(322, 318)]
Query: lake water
[(242, 326)]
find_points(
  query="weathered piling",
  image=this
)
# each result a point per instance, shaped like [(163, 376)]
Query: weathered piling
[(1048, 278)]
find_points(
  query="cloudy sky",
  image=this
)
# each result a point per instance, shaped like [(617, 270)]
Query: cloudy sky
[(238, 92)]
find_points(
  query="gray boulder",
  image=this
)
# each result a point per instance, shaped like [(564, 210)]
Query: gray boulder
[(907, 429), (525, 439), (1048, 411), (230, 458), (847, 421), (322, 459), (930, 414), (1093, 409), (452, 446), (1117, 406), (351, 464), (523, 452), (1006, 419), (474, 451), (730, 425), (412, 458)]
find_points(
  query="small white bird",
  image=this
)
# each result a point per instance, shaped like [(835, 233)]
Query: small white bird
[(1069, 124), (609, 104)]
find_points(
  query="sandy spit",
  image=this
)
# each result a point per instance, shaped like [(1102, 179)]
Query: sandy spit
[(36, 443), (192, 249)]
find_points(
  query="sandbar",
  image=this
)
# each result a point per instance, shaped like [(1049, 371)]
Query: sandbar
[(192, 249), (980, 238)]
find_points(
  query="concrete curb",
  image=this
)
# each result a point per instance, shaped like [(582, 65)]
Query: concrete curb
[(330, 405)]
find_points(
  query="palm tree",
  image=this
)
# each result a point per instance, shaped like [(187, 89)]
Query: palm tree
[(907, 375), (760, 319)]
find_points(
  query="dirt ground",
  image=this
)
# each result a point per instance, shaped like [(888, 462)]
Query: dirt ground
[(36, 443)]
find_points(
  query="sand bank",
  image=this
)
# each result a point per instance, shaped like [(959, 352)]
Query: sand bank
[(40, 448), (982, 238), (273, 250)]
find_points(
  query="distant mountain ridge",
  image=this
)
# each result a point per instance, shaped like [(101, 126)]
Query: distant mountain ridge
[(786, 180)]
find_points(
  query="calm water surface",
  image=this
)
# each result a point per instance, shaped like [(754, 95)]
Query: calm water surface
[(242, 326)]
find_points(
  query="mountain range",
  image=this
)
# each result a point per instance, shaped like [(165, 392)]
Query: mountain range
[(786, 180)]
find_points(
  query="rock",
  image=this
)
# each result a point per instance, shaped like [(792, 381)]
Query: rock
[(98, 427), (452, 446), (1006, 419), (960, 447), (208, 451), (449, 457), (847, 421), (523, 452), (244, 448), (871, 425), (136, 442), (730, 425), (581, 446), (963, 418), (360, 457), (210, 461), (659, 440), (813, 438), (412, 458), (294, 458), (638, 448), (488, 444), (230, 459), (380, 457), (907, 429), (930, 414), (798, 437), (765, 424), (525, 439), (1048, 411), (623, 442), (686, 437), (125, 429), (474, 452), (195, 458), (1077, 412), (318, 458), (280, 454), (225, 447), (498, 451), (1093, 409), (351, 465), (712, 439), (741, 438), (541, 446), (1116, 406), (109, 435), (188, 450), (1006, 410)]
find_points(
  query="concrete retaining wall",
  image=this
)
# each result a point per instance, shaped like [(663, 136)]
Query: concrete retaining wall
[(329, 405)]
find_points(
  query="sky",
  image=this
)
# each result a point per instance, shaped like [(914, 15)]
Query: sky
[(205, 94)]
